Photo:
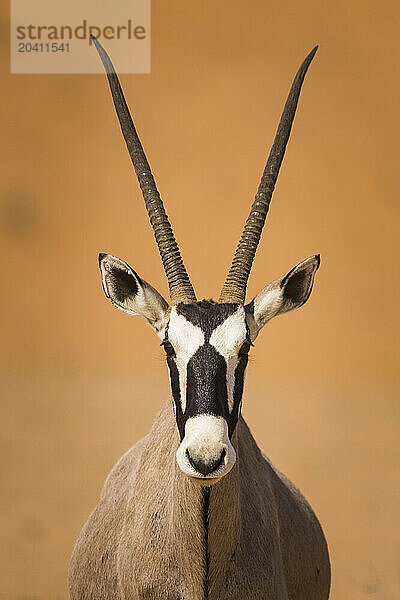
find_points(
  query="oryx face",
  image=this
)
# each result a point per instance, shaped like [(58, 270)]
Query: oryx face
[(206, 343), (206, 346)]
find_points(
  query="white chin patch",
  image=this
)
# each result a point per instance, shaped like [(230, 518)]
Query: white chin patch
[(206, 443)]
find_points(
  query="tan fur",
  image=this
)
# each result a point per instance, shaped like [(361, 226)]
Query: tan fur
[(149, 538)]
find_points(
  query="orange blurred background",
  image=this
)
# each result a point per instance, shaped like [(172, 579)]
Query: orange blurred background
[(81, 382)]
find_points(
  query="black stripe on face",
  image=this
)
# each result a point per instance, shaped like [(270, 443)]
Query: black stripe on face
[(175, 385), (238, 390), (206, 391), (176, 395)]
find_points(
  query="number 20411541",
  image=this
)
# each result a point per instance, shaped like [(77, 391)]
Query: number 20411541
[(43, 47)]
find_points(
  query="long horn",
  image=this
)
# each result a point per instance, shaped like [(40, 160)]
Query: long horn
[(181, 289), (234, 289)]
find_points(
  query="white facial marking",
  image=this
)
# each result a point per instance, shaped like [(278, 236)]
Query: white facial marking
[(206, 437), (227, 339), (186, 339)]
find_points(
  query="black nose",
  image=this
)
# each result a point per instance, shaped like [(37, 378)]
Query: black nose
[(205, 468)]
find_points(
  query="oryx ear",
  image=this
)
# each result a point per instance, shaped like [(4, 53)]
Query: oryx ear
[(128, 292), (282, 295)]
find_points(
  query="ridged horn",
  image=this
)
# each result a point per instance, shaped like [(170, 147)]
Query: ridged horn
[(234, 289), (181, 289)]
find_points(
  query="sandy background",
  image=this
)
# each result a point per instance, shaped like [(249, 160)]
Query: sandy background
[(80, 381)]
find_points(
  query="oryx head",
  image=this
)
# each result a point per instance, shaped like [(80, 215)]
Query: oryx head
[(206, 343)]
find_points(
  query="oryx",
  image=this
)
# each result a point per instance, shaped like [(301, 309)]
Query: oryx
[(195, 511)]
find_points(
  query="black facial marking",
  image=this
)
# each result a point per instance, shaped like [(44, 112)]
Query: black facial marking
[(244, 350), (206, 314), (175, 387), (206, 391), (238, 391), (176, 395)]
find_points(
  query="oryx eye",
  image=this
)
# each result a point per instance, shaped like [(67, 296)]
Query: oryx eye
[(168, 347)]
